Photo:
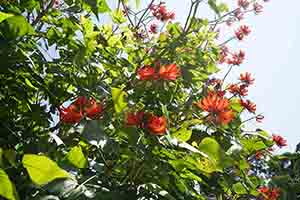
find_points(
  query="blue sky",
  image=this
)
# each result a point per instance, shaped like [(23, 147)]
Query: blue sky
[(272, 57)]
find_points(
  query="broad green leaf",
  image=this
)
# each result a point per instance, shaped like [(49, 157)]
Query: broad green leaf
[(183, 134), (212, 68), (216, 154), (4, 16), (236, 105), (207, 165), (118, 97), (239, 188), (77, 158), (7, 188), (15, 26), (42, 170)]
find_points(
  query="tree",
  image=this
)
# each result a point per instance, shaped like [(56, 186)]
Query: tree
[(124, 110)]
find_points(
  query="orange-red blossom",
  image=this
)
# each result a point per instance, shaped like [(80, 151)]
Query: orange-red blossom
[(166, 72), (217, 107)]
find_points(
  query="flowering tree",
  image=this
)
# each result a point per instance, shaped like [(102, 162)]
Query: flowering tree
[(131, 109)]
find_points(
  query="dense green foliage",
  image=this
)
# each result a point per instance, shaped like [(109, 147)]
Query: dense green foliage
[(52, 53)]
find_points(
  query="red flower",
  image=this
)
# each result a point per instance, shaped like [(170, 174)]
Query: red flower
[(263, 189), (259, 118), (92, 109), (251, 107), (169, 72), (275, 194), (135, 119), (238, 90), (157, 125), (237, 58), (258, 155), (71, 115), (218, 108), (160, 12), (269, 194), (146, 73), (280, 141), (153, 28), (243, 3), (242, 31), (246, 78), (257, 8), (238, 14)]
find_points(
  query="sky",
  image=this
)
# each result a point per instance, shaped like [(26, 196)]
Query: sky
[(272, 58)]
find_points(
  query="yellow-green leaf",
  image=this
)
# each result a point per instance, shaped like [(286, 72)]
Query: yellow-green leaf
[(7, 188), (4, 16), (118, 97), (77, 158), (42, 170), (183, 134)]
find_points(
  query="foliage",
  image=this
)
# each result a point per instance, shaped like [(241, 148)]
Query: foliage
[(127, 109)]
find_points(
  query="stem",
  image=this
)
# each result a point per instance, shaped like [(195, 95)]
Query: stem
[(127, 12), (139, 22), (231, 66), (41, 14)]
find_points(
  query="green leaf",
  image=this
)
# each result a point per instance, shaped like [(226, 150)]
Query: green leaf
[(236, 105), (7, 189), (118, 97), (77, 158), (29, 84), (118, 16), (15, 26), (42, 170), (96, 6), (239, 188), (183, 134), (216, 154), (213, 5), (4, 16)]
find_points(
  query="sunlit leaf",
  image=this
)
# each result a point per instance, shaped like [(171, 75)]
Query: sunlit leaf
[(42, 170)]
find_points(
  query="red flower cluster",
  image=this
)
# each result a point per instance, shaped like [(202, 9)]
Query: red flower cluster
[(242, 32), (166, 72), (246, 78), (269, 194), (280, 141), (238, 13), (231, 58), (218, 108), (160, 12), (157, 125), (258, 8), (153, 28), (243, 3), (241, 89), (135, 119), (236, 89), (81, 107), (247, 104)]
